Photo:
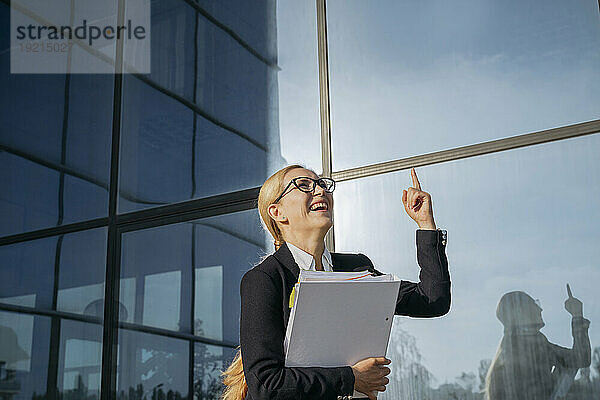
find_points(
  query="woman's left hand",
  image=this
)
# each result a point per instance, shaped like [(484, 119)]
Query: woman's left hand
[(417, 204)]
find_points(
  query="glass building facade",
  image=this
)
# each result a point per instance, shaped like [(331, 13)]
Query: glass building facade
[(128, 202)]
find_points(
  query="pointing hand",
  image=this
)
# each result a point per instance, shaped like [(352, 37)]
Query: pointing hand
[(573, 305), (417, 204)]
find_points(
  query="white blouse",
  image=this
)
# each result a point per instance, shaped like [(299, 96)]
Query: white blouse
[(307, 261)]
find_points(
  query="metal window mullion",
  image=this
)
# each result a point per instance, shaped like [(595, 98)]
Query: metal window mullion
[(241, 200), (324, 100), (494, 146), (189, 210), (111, 293), (192, 344), (133, 327)]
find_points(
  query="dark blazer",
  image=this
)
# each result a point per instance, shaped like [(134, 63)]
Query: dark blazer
[(265, 292)]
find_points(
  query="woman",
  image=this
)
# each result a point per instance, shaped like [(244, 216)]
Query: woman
[(296, 207), (527, 366)]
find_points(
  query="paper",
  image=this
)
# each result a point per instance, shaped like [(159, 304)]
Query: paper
[(337, 322), (322, 276)]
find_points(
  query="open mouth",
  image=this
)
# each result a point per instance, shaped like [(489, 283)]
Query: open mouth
[(320, 206)]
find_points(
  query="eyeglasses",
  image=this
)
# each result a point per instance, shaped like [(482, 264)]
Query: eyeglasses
[(308, 185)]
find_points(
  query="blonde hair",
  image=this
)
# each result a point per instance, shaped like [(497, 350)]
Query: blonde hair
[(234, 380)]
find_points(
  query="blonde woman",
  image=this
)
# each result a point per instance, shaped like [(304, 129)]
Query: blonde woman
[(296, 207)]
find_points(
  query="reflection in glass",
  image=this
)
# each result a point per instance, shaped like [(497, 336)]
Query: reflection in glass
[(165, 267), (209, 361), (418, 77), (162, 298), (169, 153), (527, 365), (32, 201), (152, 366), (50, 121), (155, 262), (509, 228), (172, 51), (298, 83), (82, 273), (80, 360), (27, 273), (156, 137), (24, 347), (234, 86), (254, 22), (208, 301), (228, 245)]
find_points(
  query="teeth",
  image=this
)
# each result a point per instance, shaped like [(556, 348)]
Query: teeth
[(317, 205)]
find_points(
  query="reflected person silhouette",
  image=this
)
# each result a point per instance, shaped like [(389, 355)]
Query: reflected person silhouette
[(527, 366)]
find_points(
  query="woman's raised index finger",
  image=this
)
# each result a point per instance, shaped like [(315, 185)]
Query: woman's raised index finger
[(569, 291), (415, 180)]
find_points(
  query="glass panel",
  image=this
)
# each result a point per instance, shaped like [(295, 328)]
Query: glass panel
[(90, 130), (298, 81), (172, 46), (253, 21), (82, 273), (234, 87), (170, 152), (30, 200), (208, 310), (152, 367), (209, 361), (158, 162), (225, 248), (162, 299), (24, 348), (518, 220), (163, 265), (417, 77), (50, 122), (156, 136), (154, 261), (80, 360), (27, 273)]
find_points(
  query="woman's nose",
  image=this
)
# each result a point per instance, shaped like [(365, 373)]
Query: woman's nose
[(319, 190)]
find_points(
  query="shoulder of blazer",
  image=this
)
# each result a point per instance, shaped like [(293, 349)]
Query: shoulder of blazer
[(268, 266), (279, 266)]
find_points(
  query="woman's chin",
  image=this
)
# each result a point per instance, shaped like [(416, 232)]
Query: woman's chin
[(322, 218), (323, 215)]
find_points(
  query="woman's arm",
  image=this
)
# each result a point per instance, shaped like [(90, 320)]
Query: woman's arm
[(580, 356), (261, 340), (431, 296)]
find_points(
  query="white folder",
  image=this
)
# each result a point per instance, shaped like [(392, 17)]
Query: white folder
[(339, 320)]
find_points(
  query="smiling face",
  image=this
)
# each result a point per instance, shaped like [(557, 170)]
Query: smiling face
[(300, 212)]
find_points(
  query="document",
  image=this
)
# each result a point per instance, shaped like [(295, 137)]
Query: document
[(339, 318)]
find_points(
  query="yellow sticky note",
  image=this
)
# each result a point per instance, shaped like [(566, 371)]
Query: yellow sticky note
[(292, 296)]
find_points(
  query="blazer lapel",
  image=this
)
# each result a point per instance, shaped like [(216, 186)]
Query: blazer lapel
[(285, 258)]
